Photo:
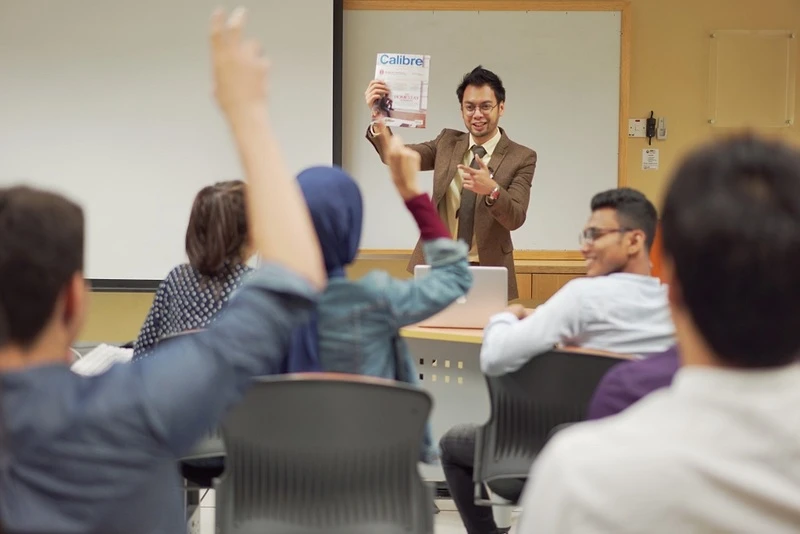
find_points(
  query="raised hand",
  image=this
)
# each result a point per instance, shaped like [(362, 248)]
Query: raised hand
[(403, 163), (240, 86), (239, 67), (375, 91)]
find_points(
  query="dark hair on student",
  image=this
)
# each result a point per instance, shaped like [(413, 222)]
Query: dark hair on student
[(41, 250), (217, 233), (633, 209), (479, 77), (731, 227)]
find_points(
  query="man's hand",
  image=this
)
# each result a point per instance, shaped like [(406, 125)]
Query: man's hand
[(402, 161), (239, 67), (477, 180), (375, 91), (519, 311)]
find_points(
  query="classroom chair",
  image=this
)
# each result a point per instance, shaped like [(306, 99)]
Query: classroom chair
[(197, 478), (551, 389), (325, 453)]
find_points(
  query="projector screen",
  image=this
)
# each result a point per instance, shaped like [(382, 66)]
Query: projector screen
[(109, 102)]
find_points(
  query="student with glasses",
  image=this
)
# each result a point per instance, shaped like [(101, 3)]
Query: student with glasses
[(481, 179), (618, 307), (717, 450)]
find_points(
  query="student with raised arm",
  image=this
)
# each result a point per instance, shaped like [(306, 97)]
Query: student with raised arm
[(97, 454), (356, 326)]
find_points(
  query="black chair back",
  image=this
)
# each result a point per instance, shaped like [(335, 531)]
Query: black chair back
[(552, 389)]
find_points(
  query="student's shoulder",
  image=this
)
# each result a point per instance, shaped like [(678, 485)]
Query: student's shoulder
[(377, 286), (625, 445), (580, 286), (589, 475), (178, 276), (593, 285), (374, 282), (240, 273), (182, 271)]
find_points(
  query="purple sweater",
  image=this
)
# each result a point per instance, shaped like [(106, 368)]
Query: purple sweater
[(628, 382)]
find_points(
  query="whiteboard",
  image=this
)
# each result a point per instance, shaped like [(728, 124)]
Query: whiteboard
[(561, 71), (109, 102)]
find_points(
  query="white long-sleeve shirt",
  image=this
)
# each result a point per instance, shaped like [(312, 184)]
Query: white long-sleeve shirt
[(624, 313), (718, 451)]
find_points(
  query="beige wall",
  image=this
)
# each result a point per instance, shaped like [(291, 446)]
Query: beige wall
[(117, 317), (669, 74)]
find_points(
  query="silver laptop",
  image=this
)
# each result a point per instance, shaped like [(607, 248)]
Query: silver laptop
[(488, 296)]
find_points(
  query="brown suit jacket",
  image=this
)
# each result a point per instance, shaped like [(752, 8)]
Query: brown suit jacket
[(513, 166)]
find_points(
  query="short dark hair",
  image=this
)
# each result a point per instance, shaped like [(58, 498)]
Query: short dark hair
[(217, 231), (41, 250), (634, 210), (479, 77), (731, 227)]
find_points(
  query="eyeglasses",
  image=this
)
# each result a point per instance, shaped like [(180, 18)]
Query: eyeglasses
[(591, 234), (486, 107)]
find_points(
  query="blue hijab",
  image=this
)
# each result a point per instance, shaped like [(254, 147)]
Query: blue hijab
[(334, 200)]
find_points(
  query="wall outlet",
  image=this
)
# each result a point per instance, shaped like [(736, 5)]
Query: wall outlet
[(637, 127)]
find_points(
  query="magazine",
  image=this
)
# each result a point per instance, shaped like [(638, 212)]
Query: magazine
[(406, 105)]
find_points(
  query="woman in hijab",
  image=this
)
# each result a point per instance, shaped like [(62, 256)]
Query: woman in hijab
[(357, 322)]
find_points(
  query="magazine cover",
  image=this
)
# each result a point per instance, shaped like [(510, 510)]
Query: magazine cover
[(406, 105)]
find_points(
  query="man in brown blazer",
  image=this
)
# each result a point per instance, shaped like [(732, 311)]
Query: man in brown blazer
[(481, 178)]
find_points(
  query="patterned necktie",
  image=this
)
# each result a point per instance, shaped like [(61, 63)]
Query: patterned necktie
[(466, 213)]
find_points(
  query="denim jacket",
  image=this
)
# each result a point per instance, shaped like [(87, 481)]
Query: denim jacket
[(359, 321), (96, 455)]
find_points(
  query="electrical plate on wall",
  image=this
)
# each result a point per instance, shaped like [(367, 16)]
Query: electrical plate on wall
[(637, 127)]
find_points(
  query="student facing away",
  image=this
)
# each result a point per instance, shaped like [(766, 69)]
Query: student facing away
[(97, 455), (718, 449), (218, 246), (356, 325)]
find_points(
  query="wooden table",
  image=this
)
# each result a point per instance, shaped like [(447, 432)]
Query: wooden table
[(457, 335)]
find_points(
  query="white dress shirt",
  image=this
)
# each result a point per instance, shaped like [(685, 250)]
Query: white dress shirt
[(620, 312), (718, 451)]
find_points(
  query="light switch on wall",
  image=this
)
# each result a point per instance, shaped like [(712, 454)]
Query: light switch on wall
[(637, 127), (661, 129)]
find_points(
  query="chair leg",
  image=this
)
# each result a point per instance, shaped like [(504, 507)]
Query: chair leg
[(192, 501), (502, 512)]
